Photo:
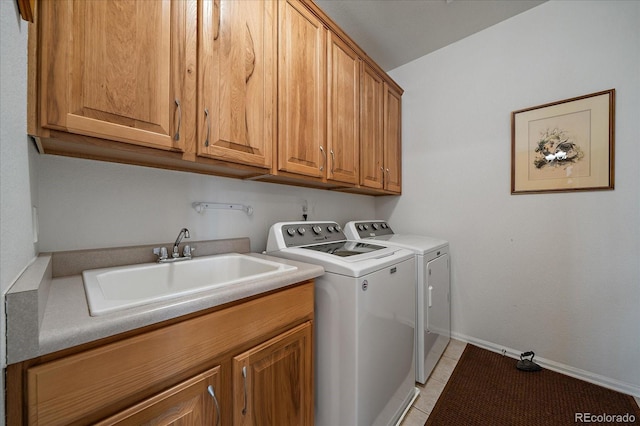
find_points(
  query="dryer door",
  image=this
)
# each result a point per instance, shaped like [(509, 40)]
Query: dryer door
[(437, 296), (437, 308)]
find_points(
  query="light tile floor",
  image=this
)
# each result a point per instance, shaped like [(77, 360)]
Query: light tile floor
[(430, 392)]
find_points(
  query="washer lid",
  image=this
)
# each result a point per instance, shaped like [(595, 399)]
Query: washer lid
[(345, 248), (416, 243), (354, 265)]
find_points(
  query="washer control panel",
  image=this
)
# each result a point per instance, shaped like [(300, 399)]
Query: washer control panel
[(305, 233), (372, 228)]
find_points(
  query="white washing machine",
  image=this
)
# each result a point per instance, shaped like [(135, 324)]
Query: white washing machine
[(364, 323), (433, 309)]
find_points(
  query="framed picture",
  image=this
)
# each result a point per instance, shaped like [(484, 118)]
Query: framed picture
[(564, 146)]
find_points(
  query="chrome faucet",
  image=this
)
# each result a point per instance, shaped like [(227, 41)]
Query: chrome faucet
[(163, 256), (184, 232)]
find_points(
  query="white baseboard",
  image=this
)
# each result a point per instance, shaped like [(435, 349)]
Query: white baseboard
[(597, 379)]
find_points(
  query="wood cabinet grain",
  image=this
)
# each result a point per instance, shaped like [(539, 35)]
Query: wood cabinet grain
[(272, 382), (156, 372), (392, 140), (371, 126), (109, 70), (190, 403), (343, 111), (301, 91), (266, 90), (237, 80)]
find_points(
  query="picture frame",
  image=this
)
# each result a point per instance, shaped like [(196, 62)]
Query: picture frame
[(564, 146)]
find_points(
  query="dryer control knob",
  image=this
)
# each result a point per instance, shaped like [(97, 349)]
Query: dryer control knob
[(338, 229), (317, 230), (330, 228), (291, 232), (301, 230), (375, 226)]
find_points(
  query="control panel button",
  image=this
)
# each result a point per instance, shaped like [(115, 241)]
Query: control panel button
[(301, 230)]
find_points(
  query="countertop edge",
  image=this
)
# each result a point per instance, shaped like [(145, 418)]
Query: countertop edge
[(66, 321)]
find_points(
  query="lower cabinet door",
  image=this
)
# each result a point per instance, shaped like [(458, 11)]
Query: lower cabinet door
[(194, 402), (273, 382)]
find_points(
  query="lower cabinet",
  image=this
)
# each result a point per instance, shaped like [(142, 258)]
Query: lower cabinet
[(191, 403), (273, 382), (246, 363)]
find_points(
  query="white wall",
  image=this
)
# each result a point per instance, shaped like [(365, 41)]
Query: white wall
[(88, 204), (555, 273), (17, 177)]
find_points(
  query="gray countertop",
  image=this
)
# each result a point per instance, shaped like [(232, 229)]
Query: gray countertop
[(65, 321)]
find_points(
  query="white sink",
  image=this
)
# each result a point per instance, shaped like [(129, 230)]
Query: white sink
[(117, 288)]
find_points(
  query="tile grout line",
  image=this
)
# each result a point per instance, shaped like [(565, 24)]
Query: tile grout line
[(441, 378)]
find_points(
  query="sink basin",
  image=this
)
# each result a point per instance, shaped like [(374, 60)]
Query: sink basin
[(117, 288)]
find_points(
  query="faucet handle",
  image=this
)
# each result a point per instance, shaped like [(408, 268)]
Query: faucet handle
[(161, 252), (187, 250)]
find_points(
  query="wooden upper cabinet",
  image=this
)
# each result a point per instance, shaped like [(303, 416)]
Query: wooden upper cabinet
[(261, 89), (371, 125), (117, 70), (301, 91), (237, 80), (392, 140), (273, 382), (343, 111)]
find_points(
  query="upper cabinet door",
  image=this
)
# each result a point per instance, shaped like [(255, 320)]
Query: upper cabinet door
[(392, 140), (343, 111), (371, 124), (117, 70), (301, 91), (237, 81)]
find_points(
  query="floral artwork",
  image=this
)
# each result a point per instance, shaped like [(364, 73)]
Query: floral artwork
[(556, 148), (564, 146)]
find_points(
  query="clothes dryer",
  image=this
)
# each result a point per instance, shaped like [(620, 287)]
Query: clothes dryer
[(433, 306)]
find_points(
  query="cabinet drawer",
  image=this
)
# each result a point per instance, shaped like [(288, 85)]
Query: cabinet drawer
[(93, 384)]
